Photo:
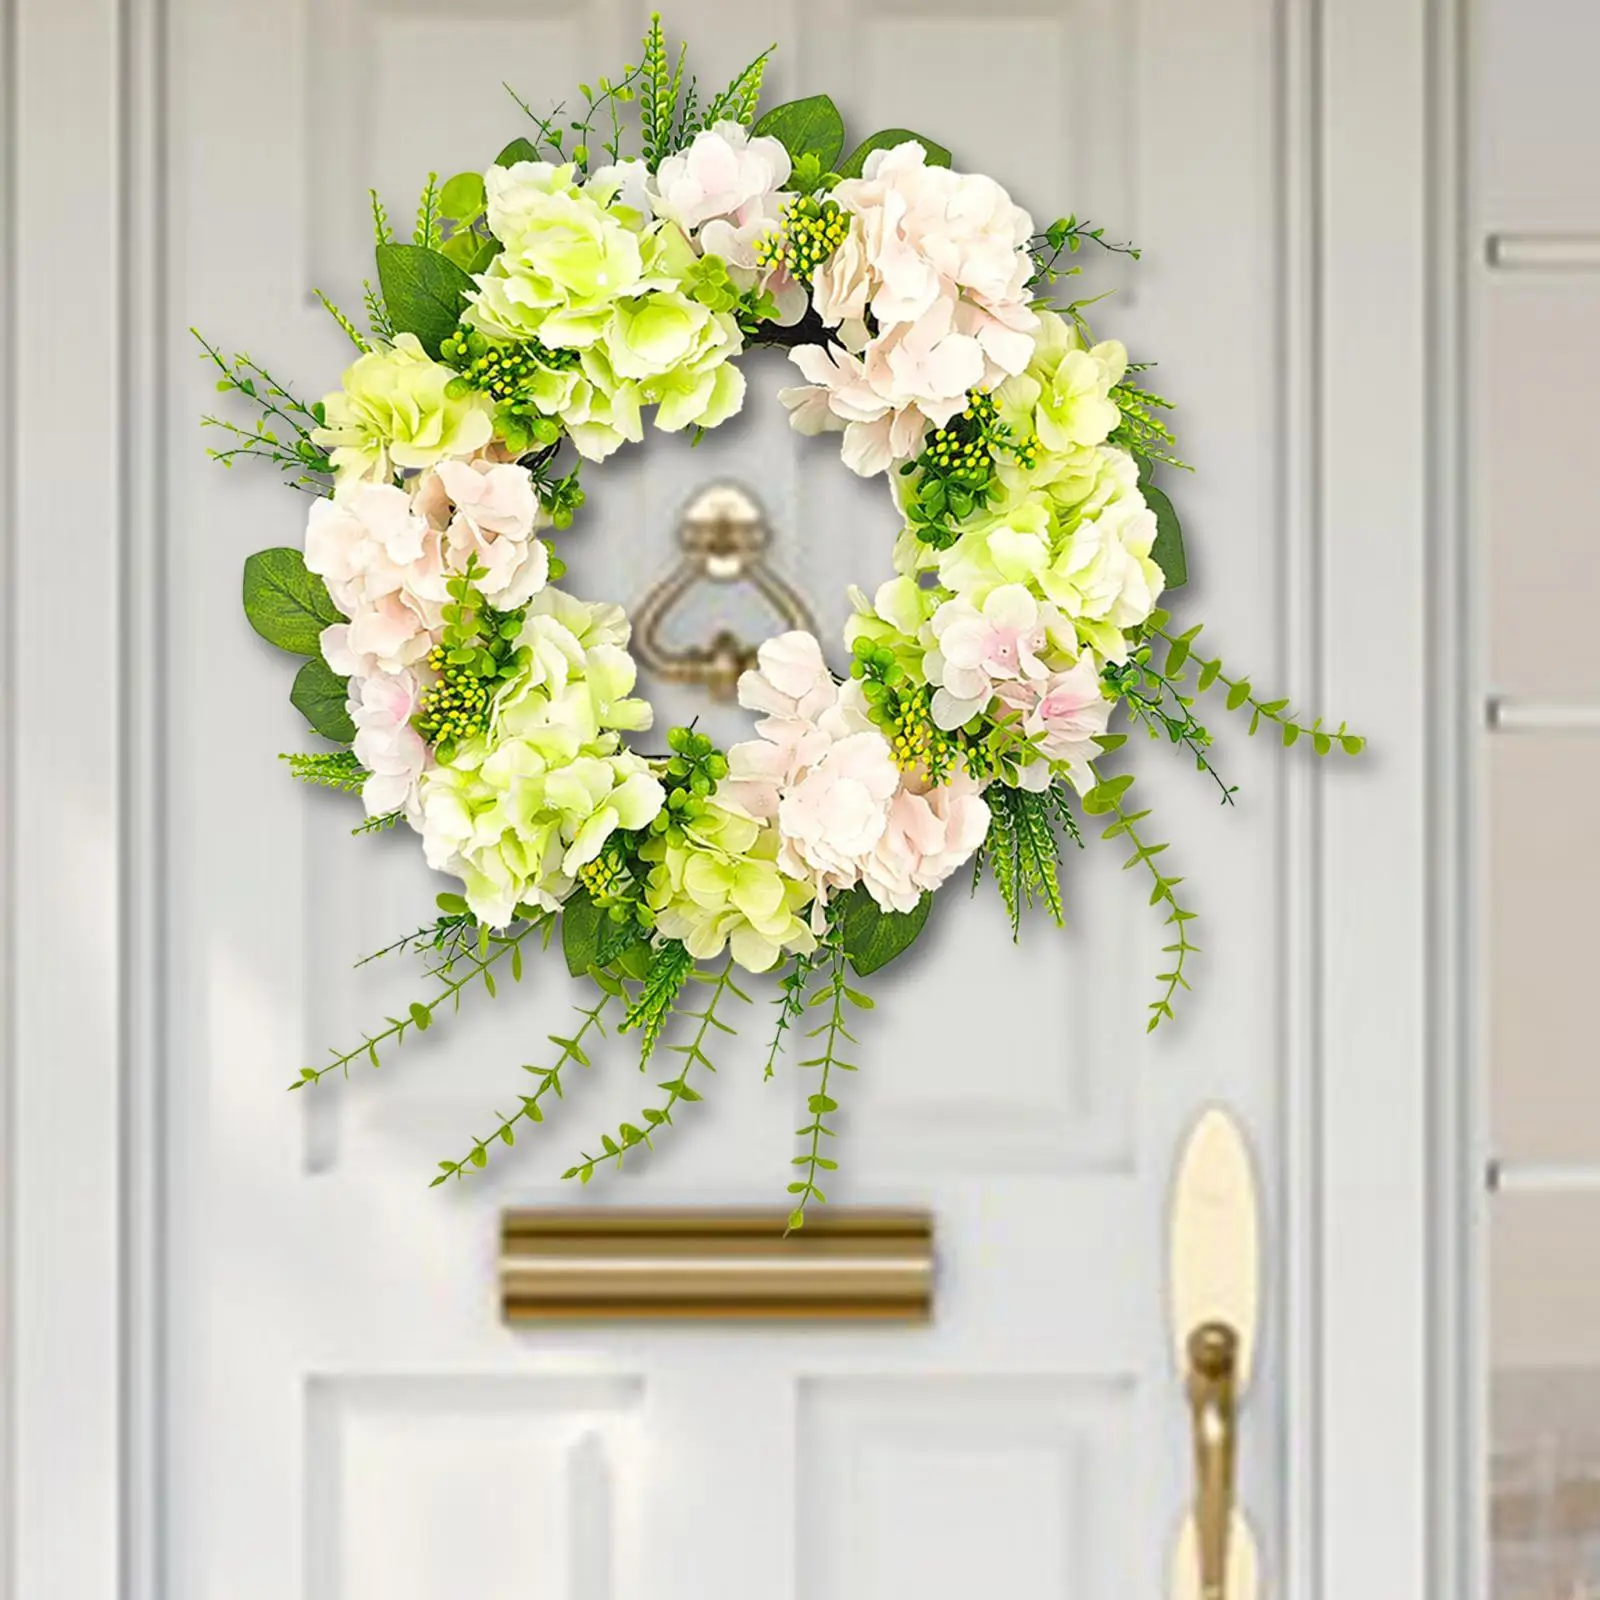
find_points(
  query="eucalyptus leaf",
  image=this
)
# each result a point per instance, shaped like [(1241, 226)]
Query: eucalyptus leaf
[(462, 198), (855, 163), (872, 936), (1167, 551), (423, 291), (811, 126), (286, 604), (319, 695)]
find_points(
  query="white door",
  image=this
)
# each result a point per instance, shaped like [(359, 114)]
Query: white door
[(283, 1345)]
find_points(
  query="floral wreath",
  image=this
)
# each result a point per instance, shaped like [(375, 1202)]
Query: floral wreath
[(540, 311)]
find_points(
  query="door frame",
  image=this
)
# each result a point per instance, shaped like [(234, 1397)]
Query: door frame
[(1382, 1203)]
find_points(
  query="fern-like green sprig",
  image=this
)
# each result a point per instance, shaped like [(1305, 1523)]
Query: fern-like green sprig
[(379, 824), (1023, 851), (351, 331), (670, 966), (1142, 430), (479, 964), (528, 1108), (377, 312), (1107, 797), (328, 769), (662, 95), (1240, 693), (382, 233), (834, 994), (739, 100), (679, 1090), (427, 230)]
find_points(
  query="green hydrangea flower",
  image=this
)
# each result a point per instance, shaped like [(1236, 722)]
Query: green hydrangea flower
[(570, 253), (582, 272), (718, 887), (518, 811), (399, 409)]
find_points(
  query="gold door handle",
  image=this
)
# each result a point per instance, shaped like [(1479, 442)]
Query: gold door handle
[(1213, 1407), (1215, 1297)]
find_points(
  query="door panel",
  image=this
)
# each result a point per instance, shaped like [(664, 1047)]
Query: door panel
[(348, 1418)]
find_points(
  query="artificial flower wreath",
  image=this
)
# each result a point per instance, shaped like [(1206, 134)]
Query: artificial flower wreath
[(540, 312)]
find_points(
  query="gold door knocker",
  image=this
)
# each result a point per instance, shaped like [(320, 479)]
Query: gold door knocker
[(724, 538)]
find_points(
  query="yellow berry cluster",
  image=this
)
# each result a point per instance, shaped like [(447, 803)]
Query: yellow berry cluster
[(505, 371), (457, 706), (603, 879), (917, 745), (810, 232)]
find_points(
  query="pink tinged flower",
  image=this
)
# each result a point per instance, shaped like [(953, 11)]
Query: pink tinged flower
[(361, 540), (1064, 714), (834, 808), (790, 680), (386, 744), (975, 651), (496, 513), (387, 636), (930, 833), (926, 363), (842, 287), (928, 231), (885, 400), (723, 172)]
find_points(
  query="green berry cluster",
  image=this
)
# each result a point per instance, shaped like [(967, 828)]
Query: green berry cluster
[(808, 233), (956, 469), (477, 653), (511, 375), (691, 777), (903, 710)]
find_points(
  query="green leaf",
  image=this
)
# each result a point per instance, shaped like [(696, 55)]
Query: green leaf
[(423, 292), (421, 1015), (582, 927), (462, 198), (810, 126), (517, 150), (1105, 796), (855, 163), (874, 937), (470, 252), (287, 605), (1167, 551), (319, 695)]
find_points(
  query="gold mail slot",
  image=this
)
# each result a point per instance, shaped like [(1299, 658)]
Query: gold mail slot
[(605, 1264)]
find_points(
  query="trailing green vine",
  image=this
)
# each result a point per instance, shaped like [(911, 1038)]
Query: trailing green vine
[(480, 961), (835, 994), (529, 1109), (1241, 693), (679, 1090), (1107, 796)]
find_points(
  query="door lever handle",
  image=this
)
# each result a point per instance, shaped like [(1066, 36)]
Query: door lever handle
[(1213, 1406), (1215, 1296)]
